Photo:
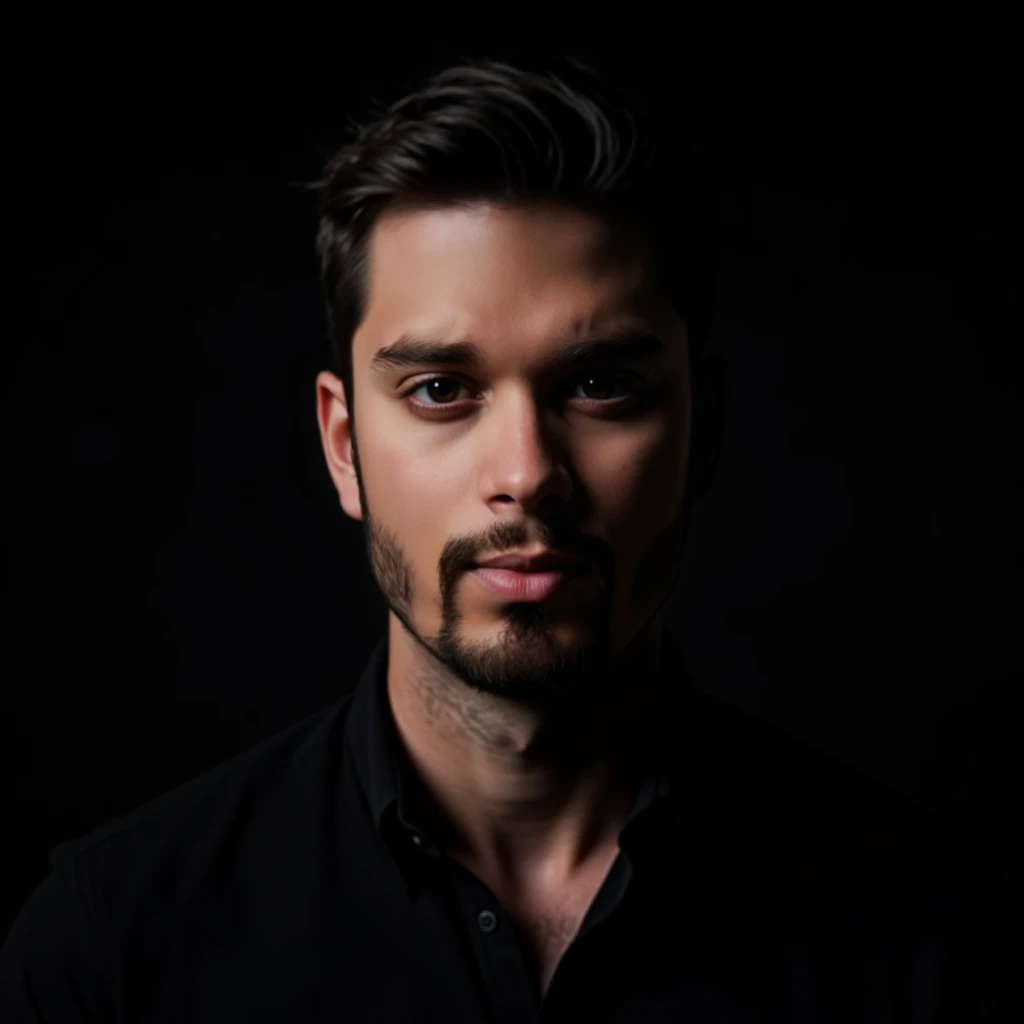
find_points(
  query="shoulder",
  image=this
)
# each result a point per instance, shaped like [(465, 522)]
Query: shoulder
[(107, 887), (804, 838), (808, 820), (226, 804)]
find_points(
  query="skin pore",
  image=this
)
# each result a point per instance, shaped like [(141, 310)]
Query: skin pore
[(522, 721)]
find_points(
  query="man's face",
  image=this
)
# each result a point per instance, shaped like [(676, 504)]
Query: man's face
[(457, 462)]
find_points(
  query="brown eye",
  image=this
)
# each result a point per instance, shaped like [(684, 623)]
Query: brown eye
[(439, 390), (601, 386)]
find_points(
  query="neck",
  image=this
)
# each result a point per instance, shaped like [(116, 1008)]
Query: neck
[(518, 797)]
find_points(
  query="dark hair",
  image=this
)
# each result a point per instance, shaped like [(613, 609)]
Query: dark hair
[(511, 132)]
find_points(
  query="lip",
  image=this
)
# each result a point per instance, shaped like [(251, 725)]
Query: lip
[(523, 586), (541, 562)]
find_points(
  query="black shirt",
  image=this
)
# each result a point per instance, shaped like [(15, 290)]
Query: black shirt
[(757, 880)]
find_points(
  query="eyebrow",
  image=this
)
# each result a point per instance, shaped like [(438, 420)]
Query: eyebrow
[(413, 350)]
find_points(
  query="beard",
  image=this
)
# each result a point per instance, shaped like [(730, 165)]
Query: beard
[(543, 655)]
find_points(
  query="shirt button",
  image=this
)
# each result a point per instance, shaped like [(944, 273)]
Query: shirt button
[(487, 921)]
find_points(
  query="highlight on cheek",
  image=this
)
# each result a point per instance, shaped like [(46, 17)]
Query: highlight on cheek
[(617, 392)]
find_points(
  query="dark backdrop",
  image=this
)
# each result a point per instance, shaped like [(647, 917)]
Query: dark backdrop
[(180, 579)]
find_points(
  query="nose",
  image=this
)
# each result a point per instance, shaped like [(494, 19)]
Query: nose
[(524, 460)]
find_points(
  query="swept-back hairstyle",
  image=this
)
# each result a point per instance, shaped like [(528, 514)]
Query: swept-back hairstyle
[(510, 132)]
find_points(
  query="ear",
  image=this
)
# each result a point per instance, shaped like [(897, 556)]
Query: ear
[(332, 414)]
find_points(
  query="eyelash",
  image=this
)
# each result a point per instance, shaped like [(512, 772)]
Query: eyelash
[(611, 404)]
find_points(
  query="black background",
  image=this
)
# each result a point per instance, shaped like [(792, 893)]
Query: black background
[(180, 581)]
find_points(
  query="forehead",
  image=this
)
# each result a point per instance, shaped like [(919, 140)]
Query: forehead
[(503, 275)]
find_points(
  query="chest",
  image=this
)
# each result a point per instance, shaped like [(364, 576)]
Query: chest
[(547, 925), (544, 939)]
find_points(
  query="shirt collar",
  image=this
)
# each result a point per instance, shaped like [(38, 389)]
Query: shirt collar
[(377, 750)]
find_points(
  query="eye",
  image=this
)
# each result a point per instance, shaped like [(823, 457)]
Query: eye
[(606, 382), (448, 385), (614, 390)]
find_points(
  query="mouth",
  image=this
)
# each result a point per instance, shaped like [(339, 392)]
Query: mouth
[(515, 585)]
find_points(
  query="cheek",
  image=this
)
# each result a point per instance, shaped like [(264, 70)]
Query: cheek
[(664, 479), (418, 493), (636, 477), (638, 484), (426, 484)]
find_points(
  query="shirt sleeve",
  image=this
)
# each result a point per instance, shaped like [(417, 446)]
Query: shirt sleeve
[(52, 967)]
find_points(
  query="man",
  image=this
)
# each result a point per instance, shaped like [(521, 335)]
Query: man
[(526, 810)]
